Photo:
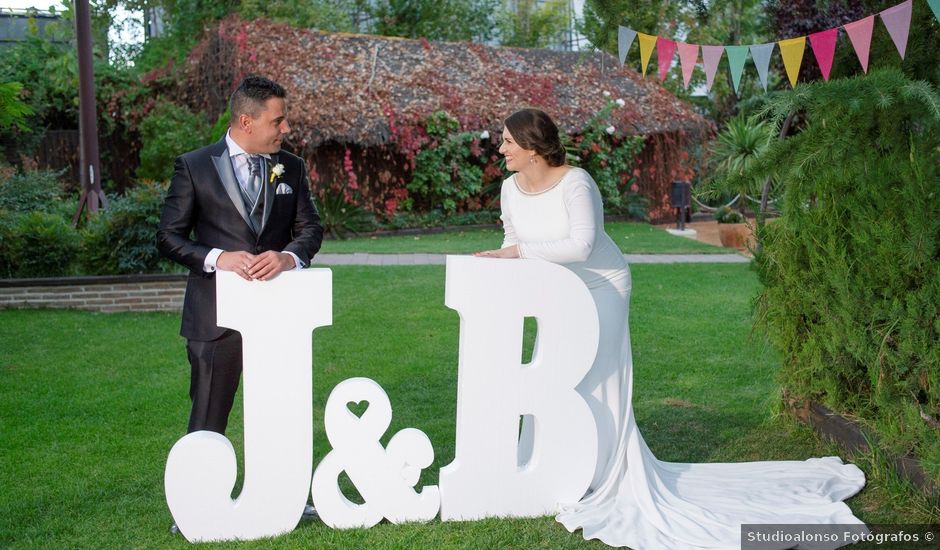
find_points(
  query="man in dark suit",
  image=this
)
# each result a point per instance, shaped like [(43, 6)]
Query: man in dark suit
[(239, 205)]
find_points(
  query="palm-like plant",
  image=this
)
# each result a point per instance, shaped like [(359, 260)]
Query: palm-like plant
[(733, 159)]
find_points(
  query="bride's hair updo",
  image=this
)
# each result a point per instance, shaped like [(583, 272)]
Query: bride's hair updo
[(534, 130)]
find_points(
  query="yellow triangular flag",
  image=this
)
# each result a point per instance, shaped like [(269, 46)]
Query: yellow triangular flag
[(647, 43), (792, 52)]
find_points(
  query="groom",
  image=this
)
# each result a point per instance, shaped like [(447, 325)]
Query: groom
[(239, 205)]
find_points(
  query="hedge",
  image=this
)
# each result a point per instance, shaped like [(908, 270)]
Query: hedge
[(851, 271)]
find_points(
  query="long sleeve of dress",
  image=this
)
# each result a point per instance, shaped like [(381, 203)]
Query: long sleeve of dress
[(509, 232), (582, 219)]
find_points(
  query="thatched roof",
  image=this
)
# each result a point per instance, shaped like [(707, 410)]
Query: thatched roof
[(365, 89)]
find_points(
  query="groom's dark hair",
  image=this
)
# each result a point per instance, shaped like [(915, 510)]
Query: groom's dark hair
[(249, 97)]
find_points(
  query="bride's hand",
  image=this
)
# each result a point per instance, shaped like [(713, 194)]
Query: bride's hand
[(507, 252)]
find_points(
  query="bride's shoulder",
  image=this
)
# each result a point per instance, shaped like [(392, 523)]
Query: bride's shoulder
[(578, 177)]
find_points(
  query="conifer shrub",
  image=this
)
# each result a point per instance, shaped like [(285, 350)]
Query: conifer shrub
[(122, 238), (851, 270), (37, 244)]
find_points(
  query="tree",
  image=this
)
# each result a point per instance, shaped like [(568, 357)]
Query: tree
[(802, 17), (184, 20), (603, 17), (532, 24), (13, 111), (693, 21), (436, 19)]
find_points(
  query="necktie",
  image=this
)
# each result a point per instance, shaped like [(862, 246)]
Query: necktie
[(254, 177)]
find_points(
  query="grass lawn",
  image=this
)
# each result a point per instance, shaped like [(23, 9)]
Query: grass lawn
[(633, 238), (90, 405)]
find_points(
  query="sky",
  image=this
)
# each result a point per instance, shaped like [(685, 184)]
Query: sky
[(126, 30), (22, 4)]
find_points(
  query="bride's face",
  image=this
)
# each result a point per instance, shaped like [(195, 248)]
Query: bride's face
[(516, 156)]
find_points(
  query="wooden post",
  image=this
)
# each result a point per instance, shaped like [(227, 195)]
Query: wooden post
[(92, 196)]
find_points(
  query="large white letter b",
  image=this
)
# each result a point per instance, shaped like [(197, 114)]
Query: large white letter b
[(490, 475)]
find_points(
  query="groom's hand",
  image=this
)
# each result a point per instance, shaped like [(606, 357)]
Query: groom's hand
[(268, 264), (239, 262)]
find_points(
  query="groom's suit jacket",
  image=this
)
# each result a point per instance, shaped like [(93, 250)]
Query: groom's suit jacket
[(204, 210)]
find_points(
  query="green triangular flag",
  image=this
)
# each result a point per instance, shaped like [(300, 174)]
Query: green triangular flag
[(737, 55)]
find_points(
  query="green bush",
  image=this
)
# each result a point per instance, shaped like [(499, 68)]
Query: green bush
[(726, 214), (121, 239), (13, 111), (167, 132), (340, 218), (449, 171), (7, 239), (32, 191), (608, 155), (733, 156), (37, 244), (438, 218), (851, 271)]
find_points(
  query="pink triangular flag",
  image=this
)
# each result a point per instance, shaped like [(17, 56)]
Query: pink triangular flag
[(824, 47), (665, 49), (688, 57), (860, 35), (711, 55), (898, 21)]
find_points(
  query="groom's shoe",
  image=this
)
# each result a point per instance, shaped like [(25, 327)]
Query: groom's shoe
[(310, 512)]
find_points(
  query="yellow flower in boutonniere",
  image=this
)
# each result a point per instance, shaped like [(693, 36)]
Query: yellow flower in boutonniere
[(276, 172)]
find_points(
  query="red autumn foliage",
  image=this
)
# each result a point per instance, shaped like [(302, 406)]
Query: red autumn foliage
[(358, 102)]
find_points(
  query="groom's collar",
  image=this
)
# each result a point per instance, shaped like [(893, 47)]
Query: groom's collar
[(234, 149)]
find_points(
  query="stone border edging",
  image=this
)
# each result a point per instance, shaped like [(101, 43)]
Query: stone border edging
[(93, 280), (106, 294), (850, 436)]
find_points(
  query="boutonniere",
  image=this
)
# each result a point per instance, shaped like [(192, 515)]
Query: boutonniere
[(276, 172)]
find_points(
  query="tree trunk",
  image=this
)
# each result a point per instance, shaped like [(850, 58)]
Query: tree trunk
[(765, 192)]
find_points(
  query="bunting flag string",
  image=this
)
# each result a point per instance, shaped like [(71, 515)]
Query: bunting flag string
[(897, 20)]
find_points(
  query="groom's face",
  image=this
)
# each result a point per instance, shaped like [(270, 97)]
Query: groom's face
[(267, 131)]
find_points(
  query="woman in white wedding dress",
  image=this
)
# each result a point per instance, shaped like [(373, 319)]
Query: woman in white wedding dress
[(554, 212)]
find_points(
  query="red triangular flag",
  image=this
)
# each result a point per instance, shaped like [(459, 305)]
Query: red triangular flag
[(824, 47), (665, 49)]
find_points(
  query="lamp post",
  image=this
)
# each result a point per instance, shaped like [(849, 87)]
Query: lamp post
[(680, 198), (90, 173)]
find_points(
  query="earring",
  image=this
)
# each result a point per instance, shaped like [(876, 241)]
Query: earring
[(532, 160)]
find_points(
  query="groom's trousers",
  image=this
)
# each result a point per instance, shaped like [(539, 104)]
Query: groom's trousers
[(216, 370)]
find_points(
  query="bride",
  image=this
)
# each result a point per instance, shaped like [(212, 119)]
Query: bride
[(553, 211)]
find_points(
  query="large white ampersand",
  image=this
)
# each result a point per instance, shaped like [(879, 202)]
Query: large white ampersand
[(385, 477)]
